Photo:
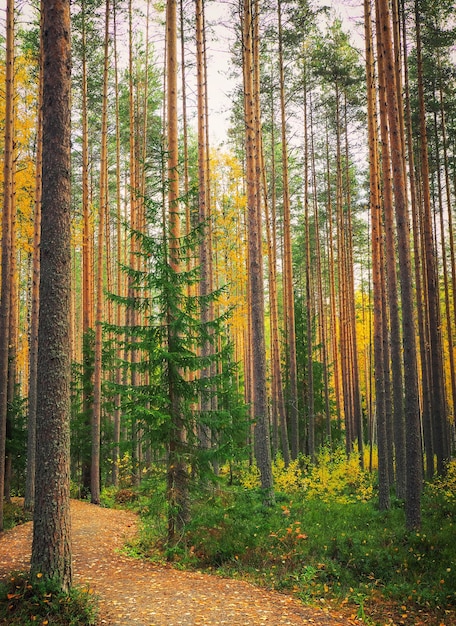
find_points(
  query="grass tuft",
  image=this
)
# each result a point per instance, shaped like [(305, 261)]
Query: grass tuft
[(26, 602)]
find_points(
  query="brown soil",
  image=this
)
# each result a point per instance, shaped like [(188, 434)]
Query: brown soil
[(142, 594)]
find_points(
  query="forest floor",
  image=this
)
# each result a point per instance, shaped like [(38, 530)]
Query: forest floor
[(138, 593)]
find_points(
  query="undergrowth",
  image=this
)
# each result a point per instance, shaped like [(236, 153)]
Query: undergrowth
[(14, 514), (324, 540), (26, 602)]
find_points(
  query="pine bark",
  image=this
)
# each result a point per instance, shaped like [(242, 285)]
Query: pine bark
[(411, 407), (103, 212), (439, 418), (5, 300), (51, 548), (177, 467), (255, 252), (29, 500), (289, 306)]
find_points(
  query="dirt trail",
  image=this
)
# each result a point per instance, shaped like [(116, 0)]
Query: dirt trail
[(142, 594)]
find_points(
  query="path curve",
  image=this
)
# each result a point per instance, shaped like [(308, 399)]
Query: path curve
[(138, 593)]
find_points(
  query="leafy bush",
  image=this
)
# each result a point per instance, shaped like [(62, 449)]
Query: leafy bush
[(332, 478), (14, 514), (24, 602)]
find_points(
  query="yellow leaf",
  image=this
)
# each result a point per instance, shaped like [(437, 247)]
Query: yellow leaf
[(39, 575)]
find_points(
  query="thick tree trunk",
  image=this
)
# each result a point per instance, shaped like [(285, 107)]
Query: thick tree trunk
[(51, 548)]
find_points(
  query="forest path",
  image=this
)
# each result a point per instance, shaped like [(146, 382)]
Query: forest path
[(138, 593)]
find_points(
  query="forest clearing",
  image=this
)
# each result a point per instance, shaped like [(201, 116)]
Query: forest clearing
[(250, 340)]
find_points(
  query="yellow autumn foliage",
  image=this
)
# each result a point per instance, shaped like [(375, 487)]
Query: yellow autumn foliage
[(333, 478)]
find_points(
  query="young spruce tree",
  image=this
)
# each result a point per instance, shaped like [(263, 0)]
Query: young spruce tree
[(170, 342)]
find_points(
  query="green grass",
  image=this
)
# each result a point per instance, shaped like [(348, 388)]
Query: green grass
[(341, 549), (26, 602)]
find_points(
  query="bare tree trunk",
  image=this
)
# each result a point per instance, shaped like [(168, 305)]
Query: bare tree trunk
[(254, 221), (177, 468), (29, 500), (51, 548), (440, 424), (288, 261), (393, 302), (5, 300), (377, 279), (412, 413), (103, 212)]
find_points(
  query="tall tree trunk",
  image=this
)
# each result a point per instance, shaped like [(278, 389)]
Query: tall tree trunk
[(29, 500), (309, 299), (87, 265), (13, 337), (5, 300), (450, 280), (255, 257), (204, 249), (289, 307), (51, 548), (377, 279), (103, 212), (321, 306), (422, 325), (278, 401), (177, 468), (412, 414), (440, 425), (119, 257), (393, 301)]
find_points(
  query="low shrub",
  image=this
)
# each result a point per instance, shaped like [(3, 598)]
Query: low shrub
[(26, 602)]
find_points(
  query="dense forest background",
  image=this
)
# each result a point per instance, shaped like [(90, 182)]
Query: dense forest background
[(271, 295)]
